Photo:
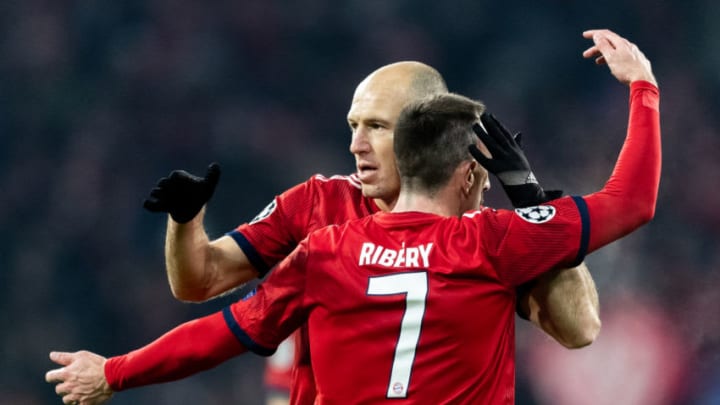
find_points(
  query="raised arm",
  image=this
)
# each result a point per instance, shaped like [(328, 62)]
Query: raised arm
[(626, 202), (198, 269), (628, 199)]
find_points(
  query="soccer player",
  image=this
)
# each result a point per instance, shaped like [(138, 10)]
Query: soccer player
[(415, 305), (564, 304)]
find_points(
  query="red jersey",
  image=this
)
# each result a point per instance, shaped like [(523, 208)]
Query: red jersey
[(291, 216), (276, 231), (411, 307)]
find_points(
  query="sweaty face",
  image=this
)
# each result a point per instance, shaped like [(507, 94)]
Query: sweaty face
[(373, 114)]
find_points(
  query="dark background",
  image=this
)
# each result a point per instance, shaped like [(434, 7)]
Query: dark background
[(98, 99)]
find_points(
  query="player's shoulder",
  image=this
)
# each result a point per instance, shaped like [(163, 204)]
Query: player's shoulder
[(340, 231), (334, 188), (322, 187), (482, 211), (537, 214), (336, 181)]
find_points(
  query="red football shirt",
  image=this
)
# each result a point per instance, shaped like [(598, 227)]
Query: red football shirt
[(276, 231), (411, 307), (291, 216)]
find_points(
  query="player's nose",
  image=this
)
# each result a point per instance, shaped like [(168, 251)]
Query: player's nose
[(359, 142)]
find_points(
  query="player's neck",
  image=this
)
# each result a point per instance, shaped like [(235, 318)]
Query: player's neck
[(385, 205), (439, 203)]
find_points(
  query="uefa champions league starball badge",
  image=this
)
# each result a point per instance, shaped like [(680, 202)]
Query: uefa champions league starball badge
[(537, 214)]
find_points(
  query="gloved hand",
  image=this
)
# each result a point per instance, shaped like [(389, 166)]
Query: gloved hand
[(509, 164), (182, 195)]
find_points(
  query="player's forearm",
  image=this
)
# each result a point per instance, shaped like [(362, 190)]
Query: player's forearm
[(187, 253), (564, 304), (188, 349), (628, 199), (199, 269)]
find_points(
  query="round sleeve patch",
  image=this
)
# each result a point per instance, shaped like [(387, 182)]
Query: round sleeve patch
[(537, 214), (265, 212)]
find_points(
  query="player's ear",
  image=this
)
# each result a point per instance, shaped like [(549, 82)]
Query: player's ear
[(469, 175)]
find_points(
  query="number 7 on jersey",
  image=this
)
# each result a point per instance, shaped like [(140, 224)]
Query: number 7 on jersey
[(414, 286)]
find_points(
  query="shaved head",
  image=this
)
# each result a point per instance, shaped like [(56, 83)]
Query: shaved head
[(413, 80), (374, 111)]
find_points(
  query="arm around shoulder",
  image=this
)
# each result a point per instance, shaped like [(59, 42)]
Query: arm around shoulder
[(564, 304)]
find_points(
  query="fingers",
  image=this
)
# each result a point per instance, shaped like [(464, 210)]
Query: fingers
[(496, 130), (62, 389), (626, 62), (62, 358), (154, 205), (478, 155), (59, 374), (594, 52), (180, 174), (485, 138), (56, 375), (605, 42), (71, 399), (602, 48), (156, 202), (518, 139), (213, 174), (614, 39)]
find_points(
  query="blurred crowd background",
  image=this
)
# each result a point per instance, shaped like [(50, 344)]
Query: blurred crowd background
[(98, 99)]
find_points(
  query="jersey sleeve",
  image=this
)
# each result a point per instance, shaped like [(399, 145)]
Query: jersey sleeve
[(563, 231), (530, 241), (278, 228), (188, 349), (262, 321), (629, 197)]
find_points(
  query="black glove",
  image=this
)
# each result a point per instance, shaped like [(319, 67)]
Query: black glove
[(509, 164), (182, 195)]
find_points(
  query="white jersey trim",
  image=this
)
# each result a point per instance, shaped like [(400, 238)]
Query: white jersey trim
[(352, 179), (474, 213)]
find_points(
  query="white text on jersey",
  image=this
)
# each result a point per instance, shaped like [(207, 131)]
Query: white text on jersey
[(372, 254)]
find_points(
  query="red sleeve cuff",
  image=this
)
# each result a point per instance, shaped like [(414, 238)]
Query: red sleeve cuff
[(111, 374), (643, 84)]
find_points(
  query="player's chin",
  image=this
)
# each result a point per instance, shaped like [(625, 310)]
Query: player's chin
[(369, 190), (374, 190)]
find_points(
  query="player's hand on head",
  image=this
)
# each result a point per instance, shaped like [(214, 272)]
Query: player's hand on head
[(508, 163), (626, 62), (506, 154), (182, 195)]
